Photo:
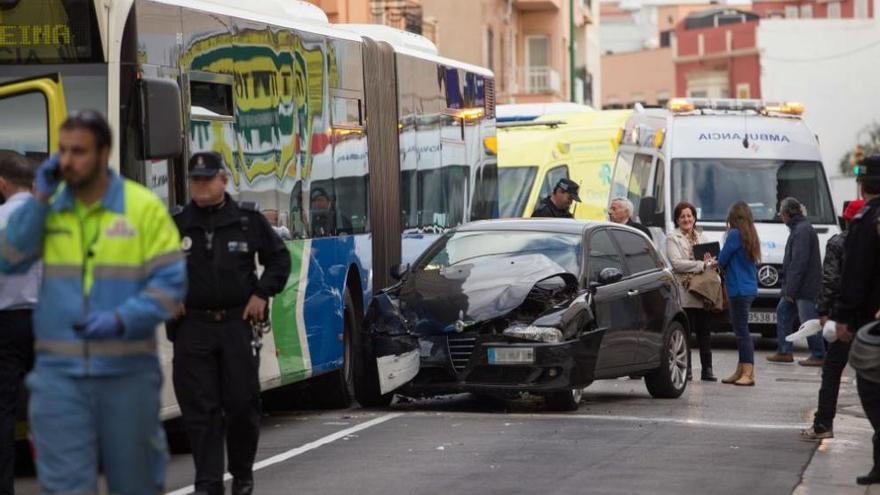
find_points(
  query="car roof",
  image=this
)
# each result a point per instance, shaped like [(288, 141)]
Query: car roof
[(555, 225)]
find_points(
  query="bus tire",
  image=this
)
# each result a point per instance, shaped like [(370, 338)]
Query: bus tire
[(335, 390)]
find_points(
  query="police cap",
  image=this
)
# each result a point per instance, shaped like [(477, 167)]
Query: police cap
[(569, 186), (205, 164), (869, 168)]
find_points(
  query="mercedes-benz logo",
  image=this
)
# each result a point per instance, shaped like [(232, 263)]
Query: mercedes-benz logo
[(768, 276)]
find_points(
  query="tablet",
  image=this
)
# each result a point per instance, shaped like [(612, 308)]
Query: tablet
[(700, 250)]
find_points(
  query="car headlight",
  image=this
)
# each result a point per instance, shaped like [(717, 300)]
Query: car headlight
[(531, 332)]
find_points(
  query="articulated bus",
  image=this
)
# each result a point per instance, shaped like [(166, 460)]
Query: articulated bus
[(369, 117)]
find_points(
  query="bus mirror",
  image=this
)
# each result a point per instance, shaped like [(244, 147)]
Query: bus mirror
[(647, 207), (161, 116)]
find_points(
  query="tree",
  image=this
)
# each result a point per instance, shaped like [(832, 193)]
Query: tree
[(868, 143)]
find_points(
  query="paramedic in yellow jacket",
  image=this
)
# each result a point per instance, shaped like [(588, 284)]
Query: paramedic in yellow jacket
[(113, 271)]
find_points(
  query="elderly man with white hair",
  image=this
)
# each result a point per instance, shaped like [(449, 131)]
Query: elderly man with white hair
[(620, 211)]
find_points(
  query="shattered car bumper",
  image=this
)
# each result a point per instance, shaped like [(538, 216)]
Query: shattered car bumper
[(484, 363)]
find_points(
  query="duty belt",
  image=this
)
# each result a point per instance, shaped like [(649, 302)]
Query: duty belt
[(216, 315), (96, 348)]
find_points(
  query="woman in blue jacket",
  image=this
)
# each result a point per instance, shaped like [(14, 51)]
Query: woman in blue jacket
[(739, 258)]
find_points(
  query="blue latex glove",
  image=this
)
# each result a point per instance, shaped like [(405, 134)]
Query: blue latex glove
[(100, 325), (48, 177)]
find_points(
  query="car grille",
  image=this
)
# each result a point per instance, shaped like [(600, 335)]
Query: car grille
[(460, 349)]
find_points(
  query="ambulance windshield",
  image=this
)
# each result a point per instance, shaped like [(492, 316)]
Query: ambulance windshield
[(713, 184)]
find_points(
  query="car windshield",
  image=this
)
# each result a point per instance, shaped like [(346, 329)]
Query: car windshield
[(515, 185), (471, 247), (714, 184)]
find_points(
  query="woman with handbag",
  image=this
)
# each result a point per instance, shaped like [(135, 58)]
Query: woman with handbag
[(740, 257), (680, 251)]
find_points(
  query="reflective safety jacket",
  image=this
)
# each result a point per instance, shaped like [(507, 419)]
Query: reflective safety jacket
[(132, 265)]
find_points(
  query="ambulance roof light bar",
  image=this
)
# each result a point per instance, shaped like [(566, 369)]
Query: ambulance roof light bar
[(691, 105)]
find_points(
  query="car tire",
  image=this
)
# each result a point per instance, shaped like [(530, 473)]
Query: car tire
[(335, 390), (669, 380), (565, 400)]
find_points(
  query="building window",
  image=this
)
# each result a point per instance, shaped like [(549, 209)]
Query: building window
[(666, 38), (791, 11), (743, 91), (540, 77), (807, 11), (834, 10), (861, 9), (490, 49)]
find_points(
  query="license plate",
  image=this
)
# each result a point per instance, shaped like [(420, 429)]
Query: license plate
[(765, 317), (511, 355)]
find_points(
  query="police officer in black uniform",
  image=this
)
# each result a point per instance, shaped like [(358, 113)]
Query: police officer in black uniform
[(557, 204), (859, 298), (217, 333)]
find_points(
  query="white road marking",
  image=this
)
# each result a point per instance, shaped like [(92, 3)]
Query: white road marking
[(303, 448), (643, 419)]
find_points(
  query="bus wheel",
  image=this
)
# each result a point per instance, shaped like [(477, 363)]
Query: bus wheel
[(335, 390)]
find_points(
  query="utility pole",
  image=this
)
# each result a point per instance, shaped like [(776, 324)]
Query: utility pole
[(571, 50)]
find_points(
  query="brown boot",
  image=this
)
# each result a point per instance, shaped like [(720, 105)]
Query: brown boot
[(736, 374), (747, 379)]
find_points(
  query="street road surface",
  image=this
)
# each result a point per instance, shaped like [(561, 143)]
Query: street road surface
[(716, 439)]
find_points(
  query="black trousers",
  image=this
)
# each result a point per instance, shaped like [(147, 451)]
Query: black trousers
[(699, 320), (16, 359), (216, 380), (869, 392), (832, 369)]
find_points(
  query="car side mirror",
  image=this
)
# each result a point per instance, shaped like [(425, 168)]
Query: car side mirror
[(647, 208), (161, 118), (398, 271), (609, 276)]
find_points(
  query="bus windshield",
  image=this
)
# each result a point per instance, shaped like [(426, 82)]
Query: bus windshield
[(48, 32), (714, 184), (515, 185)]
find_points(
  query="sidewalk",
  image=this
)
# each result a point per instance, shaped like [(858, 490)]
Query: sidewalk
[(838, 461)]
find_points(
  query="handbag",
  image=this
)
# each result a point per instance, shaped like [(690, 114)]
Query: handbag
[(709, 288)]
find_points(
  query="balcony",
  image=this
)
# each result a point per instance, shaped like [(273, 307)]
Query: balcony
[(537, 5), (537, 81)]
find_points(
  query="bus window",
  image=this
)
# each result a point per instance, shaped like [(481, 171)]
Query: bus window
[(550, 179), (639, 184), (515, 185), (442, 195), (485, 202)]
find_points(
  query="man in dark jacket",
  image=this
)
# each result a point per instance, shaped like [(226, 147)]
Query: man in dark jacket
[(838, 351), (557, 204), (620, 210), (801, 282)]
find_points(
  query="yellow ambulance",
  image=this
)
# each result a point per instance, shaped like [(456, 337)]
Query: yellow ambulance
[(534, 155)]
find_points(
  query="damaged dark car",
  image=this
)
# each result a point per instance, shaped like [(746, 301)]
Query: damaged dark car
[(543, 307)]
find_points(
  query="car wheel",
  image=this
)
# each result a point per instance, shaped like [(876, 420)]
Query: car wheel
[(565, 400), (335, 390), (670, 379)]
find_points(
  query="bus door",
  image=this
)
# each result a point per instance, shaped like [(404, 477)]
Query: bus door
[(31, 111)]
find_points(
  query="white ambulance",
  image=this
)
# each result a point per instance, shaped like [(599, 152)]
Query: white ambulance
[(713, 153)]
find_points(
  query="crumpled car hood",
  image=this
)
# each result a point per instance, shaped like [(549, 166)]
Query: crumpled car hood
[(473, 292)]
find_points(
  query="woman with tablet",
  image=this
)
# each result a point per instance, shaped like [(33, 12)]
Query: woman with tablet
[(680, 250)]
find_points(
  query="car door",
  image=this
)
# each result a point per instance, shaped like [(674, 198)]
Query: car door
[(650, 290), (615, 310), (31, 110)]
